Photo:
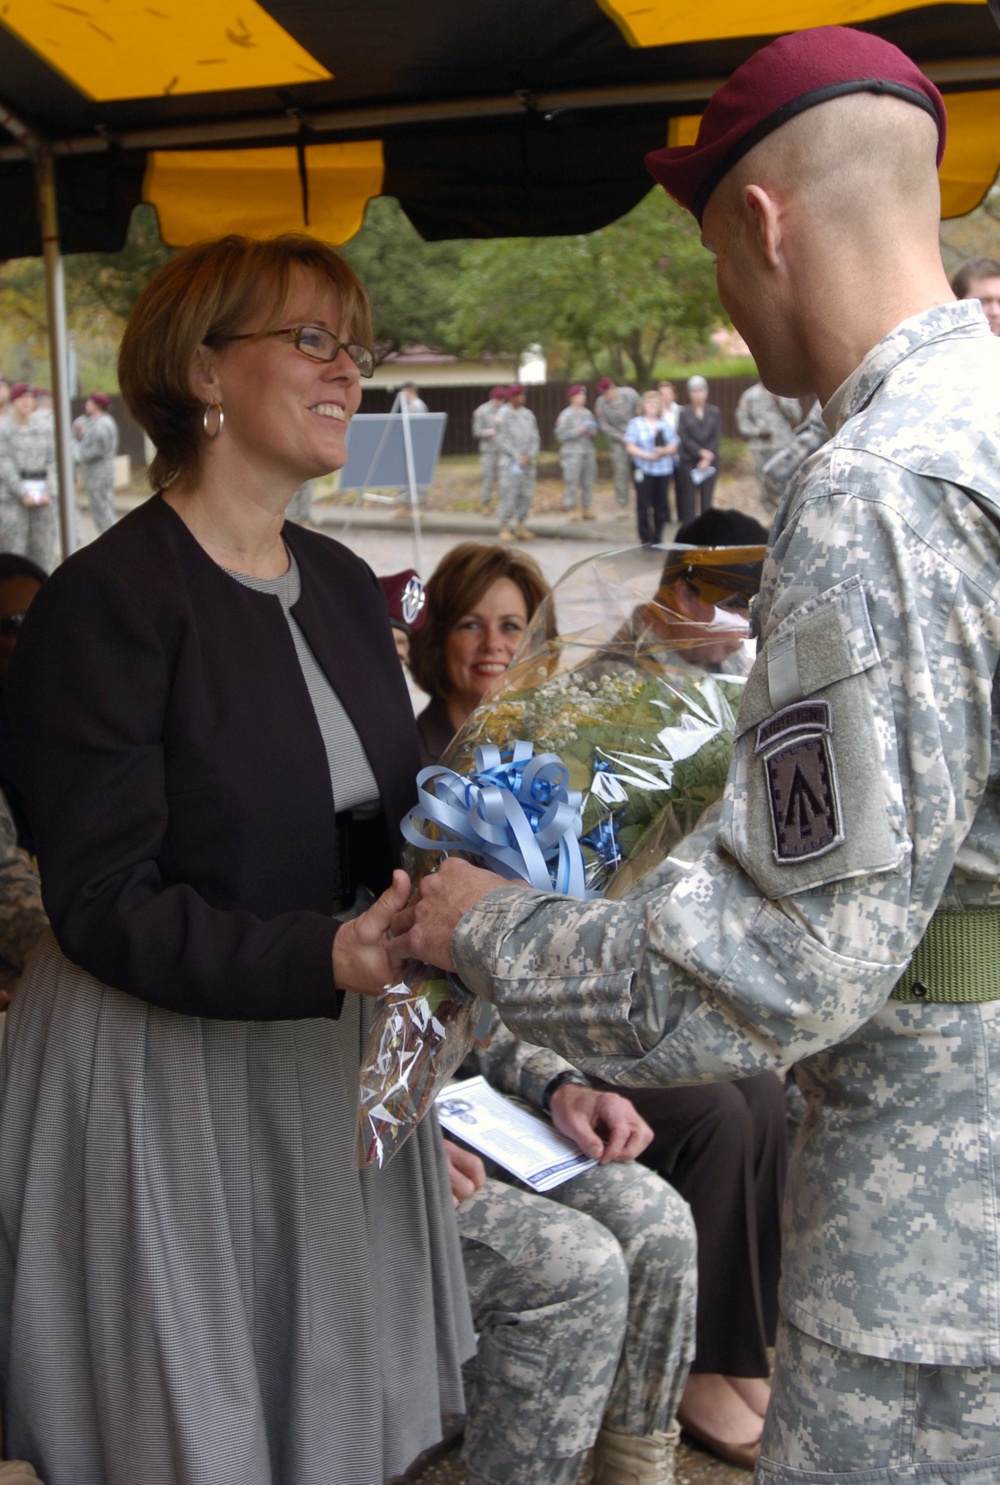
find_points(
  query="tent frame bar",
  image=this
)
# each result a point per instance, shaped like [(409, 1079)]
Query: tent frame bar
[(362, 120)]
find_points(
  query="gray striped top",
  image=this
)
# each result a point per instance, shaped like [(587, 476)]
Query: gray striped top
[(354, 786)]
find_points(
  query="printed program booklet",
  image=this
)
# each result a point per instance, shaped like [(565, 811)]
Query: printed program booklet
[(522, 1142)]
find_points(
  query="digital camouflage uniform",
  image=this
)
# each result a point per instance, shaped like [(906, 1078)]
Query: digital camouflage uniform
[(28, 452), (517, 435), (811, 434), (768, 422), (575, 429), (95, 444), (863, 797), (584, 1299), (22, 917), (484, 428), (614, 412)]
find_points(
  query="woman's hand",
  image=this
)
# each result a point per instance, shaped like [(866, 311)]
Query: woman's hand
[(361, 948), (466, 1172)]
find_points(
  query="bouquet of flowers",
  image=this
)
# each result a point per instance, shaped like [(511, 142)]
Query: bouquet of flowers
[(595, 755)]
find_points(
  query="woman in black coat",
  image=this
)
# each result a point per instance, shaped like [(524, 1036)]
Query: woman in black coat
[(699, 430)]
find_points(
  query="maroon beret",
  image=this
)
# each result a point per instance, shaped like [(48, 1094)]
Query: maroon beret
[(101, 398), (782, 80), (515, 390), (499, 394), (406, 599), (576, 388), (605, 384), (18, 390)]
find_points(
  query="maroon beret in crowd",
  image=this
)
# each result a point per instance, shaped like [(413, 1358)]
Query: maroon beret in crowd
[(576, 388), (780, 81), (102, 400), (18, 390), (605, 384), (406, 599), (499, 394), (515, 390)]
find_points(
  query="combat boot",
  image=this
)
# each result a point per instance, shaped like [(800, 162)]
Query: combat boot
[(631, 1459)]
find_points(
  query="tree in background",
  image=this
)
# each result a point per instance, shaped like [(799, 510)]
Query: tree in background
[(410, 282), (613, 300)]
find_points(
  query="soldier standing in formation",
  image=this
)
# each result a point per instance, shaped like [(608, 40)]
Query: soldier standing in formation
[(95, 444), (768, 422), (841, 910), (484, 428), (28, 482), (575, 430), (614, 409), (518, 443)]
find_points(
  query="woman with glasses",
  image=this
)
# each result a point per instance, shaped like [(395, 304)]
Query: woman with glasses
[(215, 765)]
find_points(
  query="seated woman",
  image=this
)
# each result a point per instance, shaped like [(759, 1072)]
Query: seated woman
[(722, 1146)]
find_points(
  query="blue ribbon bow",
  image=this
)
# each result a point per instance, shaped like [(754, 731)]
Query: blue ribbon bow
[(514, 813)]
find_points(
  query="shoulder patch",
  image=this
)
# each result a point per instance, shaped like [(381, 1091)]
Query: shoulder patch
[(802, 787)]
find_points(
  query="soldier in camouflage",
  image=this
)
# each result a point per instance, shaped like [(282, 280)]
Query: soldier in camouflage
[(22, 917), (518, 443), (95, 444), (575, 430), (585, 1309), (841, 909), (28, 482), (768, 422), (484, 430), (811, 434), (614, 409)]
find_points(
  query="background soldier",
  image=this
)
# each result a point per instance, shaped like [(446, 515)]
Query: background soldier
[(28, 481), (575, 430), (841, 910), (768, 422), (484, 428), (811, 434), (979, 278), (614, 409), (95, 444), (518, 443)]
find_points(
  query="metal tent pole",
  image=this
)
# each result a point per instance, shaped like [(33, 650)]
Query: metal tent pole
[(55, 293)]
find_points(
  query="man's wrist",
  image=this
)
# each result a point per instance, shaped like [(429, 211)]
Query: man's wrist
[(569, 1075)]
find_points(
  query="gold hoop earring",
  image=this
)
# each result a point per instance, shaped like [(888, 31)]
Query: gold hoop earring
[(213, 407)]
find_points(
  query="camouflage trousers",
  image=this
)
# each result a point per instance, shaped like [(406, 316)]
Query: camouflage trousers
[(579, 468), (99, 482), (584, 1300), (30, 532), (621, 468), (836, 1417), (517, 491), (489, 465)]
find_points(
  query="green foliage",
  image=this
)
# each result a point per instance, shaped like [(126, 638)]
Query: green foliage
[(409, 281), (976, 235), (614, 300)]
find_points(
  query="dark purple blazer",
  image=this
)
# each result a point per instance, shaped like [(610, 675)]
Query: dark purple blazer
[(175, 775)]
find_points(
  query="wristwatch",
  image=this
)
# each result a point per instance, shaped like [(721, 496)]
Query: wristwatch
[(554, 1084)]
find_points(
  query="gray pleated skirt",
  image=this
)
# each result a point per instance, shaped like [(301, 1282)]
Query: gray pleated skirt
[(196, 1286)]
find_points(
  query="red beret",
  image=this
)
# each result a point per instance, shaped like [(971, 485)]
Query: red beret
[(782, 80), (576, 388), (101, 398), (499, 394), (18, 390), (406, 599), (515, 390), (605, 384)]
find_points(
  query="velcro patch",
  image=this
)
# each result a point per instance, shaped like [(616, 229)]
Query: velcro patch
[(802, 784)]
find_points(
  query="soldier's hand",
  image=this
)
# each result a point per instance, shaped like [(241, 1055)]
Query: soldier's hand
[(604, 1125), (466, 1172), (423, 929)]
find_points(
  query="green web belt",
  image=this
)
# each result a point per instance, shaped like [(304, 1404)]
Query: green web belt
[(957, 960)]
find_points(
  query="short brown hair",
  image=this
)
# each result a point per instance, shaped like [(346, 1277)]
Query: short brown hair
[(458, 582), (204, 295), (972, 269)]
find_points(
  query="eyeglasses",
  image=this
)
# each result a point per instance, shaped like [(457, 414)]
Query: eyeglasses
[(318, 345), (10, 625)]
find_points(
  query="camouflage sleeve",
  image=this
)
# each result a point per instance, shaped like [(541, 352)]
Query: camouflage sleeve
[(747, 421), (564, 425), (10, 474), (517, 1067), (862, 755), (22, 917)]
